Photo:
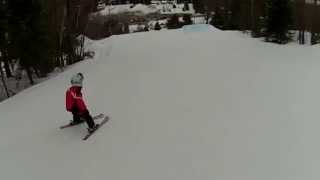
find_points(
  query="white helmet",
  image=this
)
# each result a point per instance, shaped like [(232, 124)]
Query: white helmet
[(76, 80)]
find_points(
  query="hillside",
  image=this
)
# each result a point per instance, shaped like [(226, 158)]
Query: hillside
[(187, 104)]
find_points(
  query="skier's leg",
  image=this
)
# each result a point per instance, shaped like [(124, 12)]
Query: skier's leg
[(89, 119), (76, 118)]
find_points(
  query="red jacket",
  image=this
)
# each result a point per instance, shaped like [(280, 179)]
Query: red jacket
[(74, 101)]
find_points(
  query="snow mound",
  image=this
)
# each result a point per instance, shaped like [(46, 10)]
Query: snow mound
[(196, 28), (144, 9), (179, 9), (118, 9), (147, 9)]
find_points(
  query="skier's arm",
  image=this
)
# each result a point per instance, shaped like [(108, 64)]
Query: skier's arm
[(69, 101), (80, 104)]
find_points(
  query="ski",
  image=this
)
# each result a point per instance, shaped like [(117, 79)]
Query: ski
[(75, 124), (105, 120)]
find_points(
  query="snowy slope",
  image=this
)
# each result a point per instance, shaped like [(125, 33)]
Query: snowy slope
[(183, 106)]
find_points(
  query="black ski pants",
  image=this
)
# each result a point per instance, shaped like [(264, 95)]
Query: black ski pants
[(85, 116)]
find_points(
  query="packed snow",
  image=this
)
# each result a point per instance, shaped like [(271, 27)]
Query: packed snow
[(197, 28), (183, 106)]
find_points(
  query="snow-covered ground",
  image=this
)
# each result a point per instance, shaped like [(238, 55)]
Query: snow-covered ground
[(117, 9), (146, 9), (170, 9), (183, 105), (15, 85)]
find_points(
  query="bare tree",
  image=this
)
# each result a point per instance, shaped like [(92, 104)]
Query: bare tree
[(4, 81), (314, 34), (301, 20)]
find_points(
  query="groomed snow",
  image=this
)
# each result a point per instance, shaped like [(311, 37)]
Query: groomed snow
[(198, 28), (183, 106)]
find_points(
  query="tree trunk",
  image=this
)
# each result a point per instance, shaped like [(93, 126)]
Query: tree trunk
[(6, 63), (313, 34), (301, 37), (4, 82), (29, 73), (61, 34), (7, 67), (313, 38), (36, 71)]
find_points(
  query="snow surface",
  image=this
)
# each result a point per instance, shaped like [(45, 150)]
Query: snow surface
[(183, 106), (197, 28), (146, 9), (169, 9), (117, 9)]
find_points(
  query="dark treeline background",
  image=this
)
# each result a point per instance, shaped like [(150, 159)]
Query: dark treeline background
[(259, 15), (41, 35)]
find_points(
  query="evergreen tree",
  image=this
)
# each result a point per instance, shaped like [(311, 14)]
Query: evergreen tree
[(147, 2), (3, 42), (173, 22), (217, 20), (187, 19), (3, 24), (3, 36), (157, 26), (29, 36), (198, 6), (186, 6), (279, 20), (315, 35)]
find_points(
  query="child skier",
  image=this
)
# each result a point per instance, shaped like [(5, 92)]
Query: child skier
[(76, 105)]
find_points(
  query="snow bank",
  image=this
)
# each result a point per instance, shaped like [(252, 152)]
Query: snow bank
[(169, 9), (198, 28), (139, 8), (147, 9)]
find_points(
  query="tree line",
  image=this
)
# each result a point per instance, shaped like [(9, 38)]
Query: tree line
[(41, 35), (272, 19)]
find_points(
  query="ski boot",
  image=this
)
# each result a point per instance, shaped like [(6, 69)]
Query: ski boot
[(76, 122), (91, 130)]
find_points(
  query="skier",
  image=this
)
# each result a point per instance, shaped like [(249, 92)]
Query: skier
[(76, 105)]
